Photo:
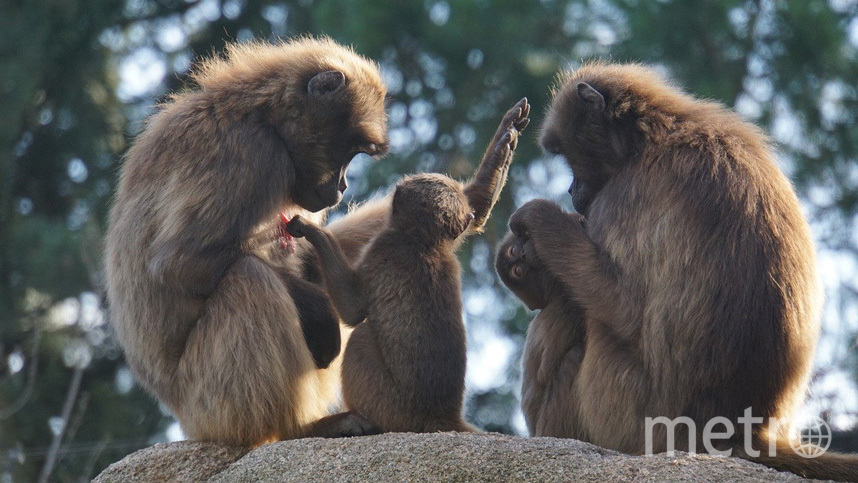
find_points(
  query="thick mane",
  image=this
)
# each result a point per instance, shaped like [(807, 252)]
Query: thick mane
[(246, 62), (258, 74), (664, 109)]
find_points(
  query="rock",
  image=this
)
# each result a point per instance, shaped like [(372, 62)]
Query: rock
[(182, 461), (426, 457)]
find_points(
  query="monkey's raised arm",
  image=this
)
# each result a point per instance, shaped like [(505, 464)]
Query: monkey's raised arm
[(341, 279), (483, 191)]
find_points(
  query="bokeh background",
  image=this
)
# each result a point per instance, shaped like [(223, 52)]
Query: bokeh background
[(77, 79)]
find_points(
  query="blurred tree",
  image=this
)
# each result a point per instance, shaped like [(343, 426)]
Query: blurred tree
[(77, 79)]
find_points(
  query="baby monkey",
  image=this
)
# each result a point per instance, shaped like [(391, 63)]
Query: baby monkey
[(554, 345), (404, 367)]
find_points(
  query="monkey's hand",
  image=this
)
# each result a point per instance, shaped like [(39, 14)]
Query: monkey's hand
[(300, 228), (483, 191), (546, 230)]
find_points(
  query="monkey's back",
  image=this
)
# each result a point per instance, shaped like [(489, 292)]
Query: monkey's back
[(170, 189), (725, 265), (148, 317), (415, 316)]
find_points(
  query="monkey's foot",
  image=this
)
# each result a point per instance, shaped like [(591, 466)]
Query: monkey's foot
[(342, 425)]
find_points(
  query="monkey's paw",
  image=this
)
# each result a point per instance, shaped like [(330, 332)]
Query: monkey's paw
[(298, 227), (505, 139), (542, 217), (356, 425)]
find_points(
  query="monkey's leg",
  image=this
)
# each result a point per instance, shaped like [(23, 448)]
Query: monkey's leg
[(615, 394), (370, 389), (319, 321), (341, 279), (552, 357), (246, 375), (483, 191)]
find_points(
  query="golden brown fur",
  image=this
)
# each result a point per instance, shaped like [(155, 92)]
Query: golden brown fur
[(690, 281), (216, 320), (404, 365)]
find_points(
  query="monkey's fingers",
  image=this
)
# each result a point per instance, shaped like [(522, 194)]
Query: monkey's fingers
[(514, 114), (504, 147), (296, 227), (513, 142), (524, 117)]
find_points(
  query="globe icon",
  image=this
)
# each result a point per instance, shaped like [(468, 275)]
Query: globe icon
[(814, 438)]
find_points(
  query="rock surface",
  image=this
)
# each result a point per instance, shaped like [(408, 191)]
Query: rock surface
[(425, 457)]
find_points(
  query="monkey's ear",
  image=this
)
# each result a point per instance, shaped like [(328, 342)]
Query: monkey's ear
[(326, 82), (591, 96)]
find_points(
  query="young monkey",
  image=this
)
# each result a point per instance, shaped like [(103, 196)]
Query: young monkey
[(404, 367), (554, 346)]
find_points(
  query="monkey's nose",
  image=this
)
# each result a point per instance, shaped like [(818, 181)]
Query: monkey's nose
[(343, 185)]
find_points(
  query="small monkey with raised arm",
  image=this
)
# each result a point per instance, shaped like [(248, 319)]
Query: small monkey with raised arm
[(404, 366)]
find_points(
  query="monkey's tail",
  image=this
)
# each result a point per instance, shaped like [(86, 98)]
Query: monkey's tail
[(825, 466)]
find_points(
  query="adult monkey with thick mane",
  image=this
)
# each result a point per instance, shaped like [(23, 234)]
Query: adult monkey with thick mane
[(221, 314), (688, 275)]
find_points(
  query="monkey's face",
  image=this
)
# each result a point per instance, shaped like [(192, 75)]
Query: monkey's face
[(521, 274), (596, 143), (432, 205), (339, 118)]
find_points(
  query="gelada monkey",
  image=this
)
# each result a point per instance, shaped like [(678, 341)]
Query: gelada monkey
[(404, 365), (216, 317), (688, 273)]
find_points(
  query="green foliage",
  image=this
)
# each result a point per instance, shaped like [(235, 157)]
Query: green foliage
[(72, 99)]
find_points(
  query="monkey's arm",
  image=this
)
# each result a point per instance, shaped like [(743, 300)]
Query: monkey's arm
[(202, 228), (186, 264), (319, 320), (360, 225), (483, 191), (558, 240), (341, 279)]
